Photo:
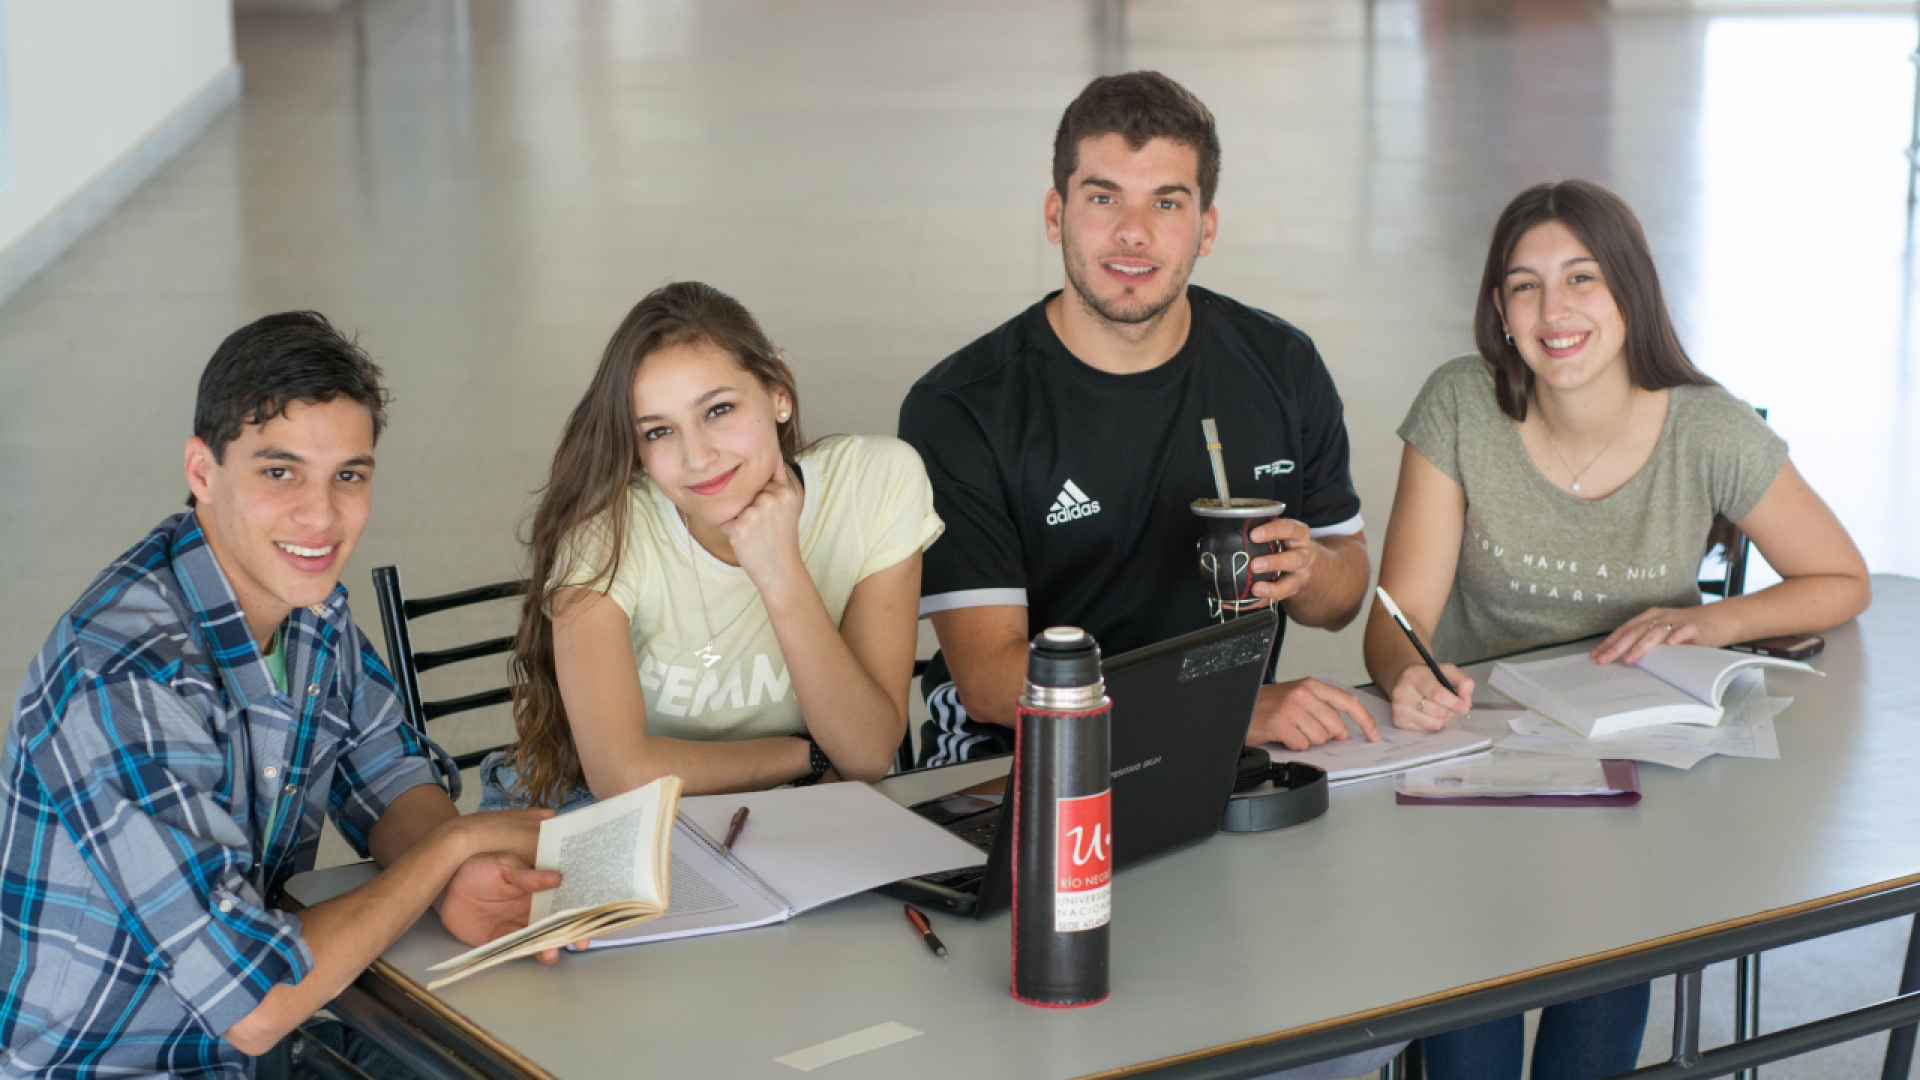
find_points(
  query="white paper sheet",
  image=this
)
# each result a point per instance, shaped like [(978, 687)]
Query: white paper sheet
[(814, 845)]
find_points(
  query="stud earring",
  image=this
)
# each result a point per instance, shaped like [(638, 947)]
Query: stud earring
[(1509, 339), (783, 416)]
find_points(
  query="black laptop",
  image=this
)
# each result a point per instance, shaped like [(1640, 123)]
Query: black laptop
[(1180, 715)]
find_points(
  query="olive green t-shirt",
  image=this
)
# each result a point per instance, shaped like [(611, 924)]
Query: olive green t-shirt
[(1539, 565)]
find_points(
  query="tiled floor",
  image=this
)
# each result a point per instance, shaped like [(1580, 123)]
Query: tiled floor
[(481, 189)]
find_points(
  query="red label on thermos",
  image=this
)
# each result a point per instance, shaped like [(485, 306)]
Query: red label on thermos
[(1083, 863)]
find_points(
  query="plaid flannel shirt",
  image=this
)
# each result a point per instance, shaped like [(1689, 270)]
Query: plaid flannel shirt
[(158, 791)]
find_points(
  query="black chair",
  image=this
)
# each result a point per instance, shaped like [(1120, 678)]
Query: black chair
[(1733, 547), (396, 616)]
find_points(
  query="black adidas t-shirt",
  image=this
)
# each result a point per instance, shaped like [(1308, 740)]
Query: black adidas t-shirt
[(1068, 489)]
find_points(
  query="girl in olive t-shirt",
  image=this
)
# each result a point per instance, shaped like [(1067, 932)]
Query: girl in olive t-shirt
[(1564, 486)]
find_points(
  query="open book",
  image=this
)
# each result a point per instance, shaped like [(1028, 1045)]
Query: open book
[(1399, 749), (1673, 684), (801, 848), (612, 858)]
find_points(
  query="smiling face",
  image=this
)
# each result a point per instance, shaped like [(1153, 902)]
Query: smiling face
[(284, 507), (1556, 305), (707, 431), (1130, 226)]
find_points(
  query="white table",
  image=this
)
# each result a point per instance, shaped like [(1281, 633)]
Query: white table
[(1371, 924)]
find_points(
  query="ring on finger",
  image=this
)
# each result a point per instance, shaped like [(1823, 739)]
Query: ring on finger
[(1669, 628), (1422, 706), (1651, 623)]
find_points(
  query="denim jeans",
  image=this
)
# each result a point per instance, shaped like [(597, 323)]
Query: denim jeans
[(1583, 1039), (286, 1062), (497, 787)]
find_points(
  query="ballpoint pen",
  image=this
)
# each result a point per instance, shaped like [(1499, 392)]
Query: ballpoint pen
[(919, 922), (733, 829)]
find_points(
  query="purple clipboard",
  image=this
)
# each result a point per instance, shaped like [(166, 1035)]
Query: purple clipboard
[(1624, 775)]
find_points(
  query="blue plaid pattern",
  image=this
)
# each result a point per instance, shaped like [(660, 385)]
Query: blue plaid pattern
[(158, 792)]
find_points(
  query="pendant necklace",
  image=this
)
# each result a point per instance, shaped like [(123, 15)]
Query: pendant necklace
[(1596, 457), (707, 656)]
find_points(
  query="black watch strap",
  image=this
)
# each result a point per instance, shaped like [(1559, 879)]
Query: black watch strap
[(816, 758)]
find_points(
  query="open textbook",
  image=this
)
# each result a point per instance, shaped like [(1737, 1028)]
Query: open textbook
[(612, 858), (1747, 731), (1673, 684), (1399, 749)]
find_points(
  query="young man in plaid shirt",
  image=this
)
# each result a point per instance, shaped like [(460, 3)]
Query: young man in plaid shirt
[(186, 728)]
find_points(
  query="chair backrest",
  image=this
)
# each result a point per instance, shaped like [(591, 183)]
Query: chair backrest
[(1734, 547), (396, 615)]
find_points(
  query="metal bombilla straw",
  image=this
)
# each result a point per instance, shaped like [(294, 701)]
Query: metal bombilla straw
[(1219, 463)]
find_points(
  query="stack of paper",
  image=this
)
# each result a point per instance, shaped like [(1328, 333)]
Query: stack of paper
[(1747, 731), (1398, 750)]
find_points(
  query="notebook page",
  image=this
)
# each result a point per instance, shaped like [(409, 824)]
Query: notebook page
[(1398, 748), (814, 845)]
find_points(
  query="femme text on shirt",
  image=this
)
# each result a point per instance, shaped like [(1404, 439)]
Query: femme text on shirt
[(691, 691)]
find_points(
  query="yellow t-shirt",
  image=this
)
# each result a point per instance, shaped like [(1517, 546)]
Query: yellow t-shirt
[(867, 505)]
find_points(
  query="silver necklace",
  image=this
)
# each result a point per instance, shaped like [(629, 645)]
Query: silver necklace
[(707, 656), (1596, 457)]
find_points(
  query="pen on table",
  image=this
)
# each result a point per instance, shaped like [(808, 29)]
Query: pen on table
[(919, 922), (733, 829), (1393, 609)]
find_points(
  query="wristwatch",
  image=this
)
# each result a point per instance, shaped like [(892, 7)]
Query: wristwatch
[(815, 757)]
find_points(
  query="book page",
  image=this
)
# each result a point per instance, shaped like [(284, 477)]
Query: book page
[(608, 852), (1582, 694), (814, 845), (1705, 672)]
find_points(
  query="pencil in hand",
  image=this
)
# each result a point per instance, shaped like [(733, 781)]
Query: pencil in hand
[(1433, 665)]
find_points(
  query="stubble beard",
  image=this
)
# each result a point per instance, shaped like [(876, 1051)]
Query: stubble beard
[(1132, 320)]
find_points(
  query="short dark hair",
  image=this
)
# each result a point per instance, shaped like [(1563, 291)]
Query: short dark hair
[(270, 363), (1140, 106), (1607, 226)]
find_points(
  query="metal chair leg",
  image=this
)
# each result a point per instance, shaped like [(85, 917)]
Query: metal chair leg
[(1900, 1040), (1746, 1006)]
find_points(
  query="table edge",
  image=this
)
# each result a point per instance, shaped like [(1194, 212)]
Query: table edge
[(1575, 963)]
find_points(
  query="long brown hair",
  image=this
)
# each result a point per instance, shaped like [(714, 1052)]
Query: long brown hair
[(1605, 224), (597, 462)]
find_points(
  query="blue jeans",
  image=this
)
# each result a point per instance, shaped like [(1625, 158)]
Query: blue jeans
[(284, 1062), (497, 779), (1583, 1039)]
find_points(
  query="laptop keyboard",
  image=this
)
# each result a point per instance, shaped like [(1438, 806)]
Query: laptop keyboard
[(979, 832)]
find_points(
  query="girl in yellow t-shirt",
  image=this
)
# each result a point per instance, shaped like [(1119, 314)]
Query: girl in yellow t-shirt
[(716, 599)]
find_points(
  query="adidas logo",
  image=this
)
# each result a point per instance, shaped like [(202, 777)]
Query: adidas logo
[(1071, 505)]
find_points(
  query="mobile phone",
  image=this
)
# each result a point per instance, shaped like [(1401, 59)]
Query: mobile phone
[(1791, 647)]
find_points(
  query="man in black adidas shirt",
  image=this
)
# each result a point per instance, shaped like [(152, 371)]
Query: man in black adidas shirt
[(1065, 447)]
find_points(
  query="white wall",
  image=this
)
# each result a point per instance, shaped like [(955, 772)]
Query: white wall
[(89, 81)]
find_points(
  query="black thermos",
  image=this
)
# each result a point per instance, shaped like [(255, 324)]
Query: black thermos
[(1062, 824)]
